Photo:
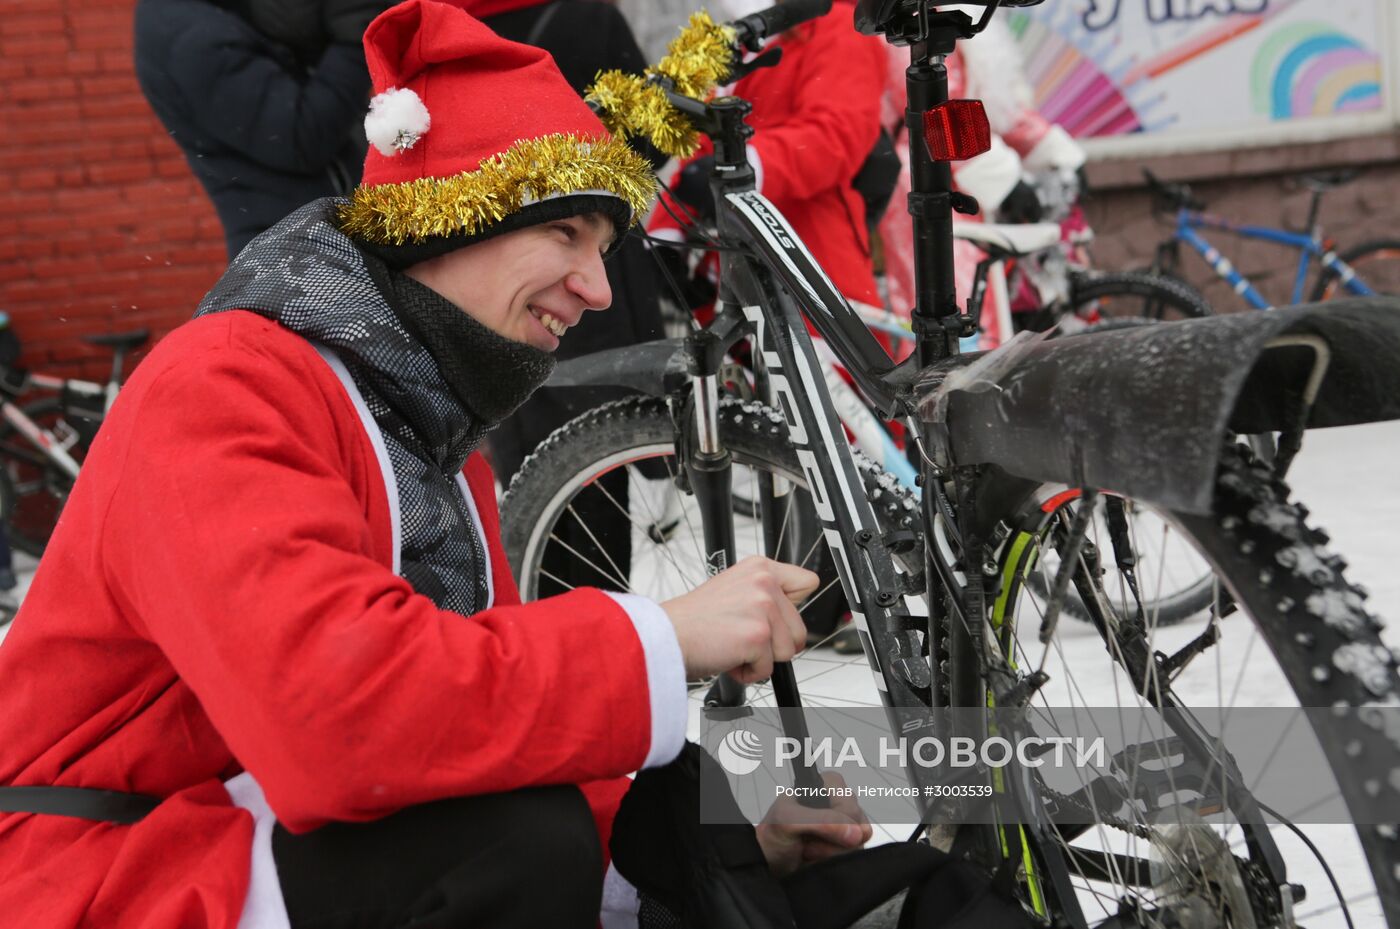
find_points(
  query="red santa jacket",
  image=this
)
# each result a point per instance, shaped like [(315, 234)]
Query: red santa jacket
[(219, 598), (816, 117)]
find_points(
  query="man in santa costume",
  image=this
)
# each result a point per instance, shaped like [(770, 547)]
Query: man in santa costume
[(273, 670)]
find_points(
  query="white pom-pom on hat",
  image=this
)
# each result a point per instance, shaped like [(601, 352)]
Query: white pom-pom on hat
[(396, 120)]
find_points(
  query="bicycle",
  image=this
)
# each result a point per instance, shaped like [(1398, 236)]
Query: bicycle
[(1012, 469), (1050, 272), (1367, 269), (49, 423), (1052, 286)]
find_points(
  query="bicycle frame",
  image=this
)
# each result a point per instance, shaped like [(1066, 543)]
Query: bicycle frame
[(48, 442), (51, 445), (1309, 246), (771, 294), (793, 372)]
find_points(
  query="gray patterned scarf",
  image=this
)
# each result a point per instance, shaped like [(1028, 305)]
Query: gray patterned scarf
[(434, 379)]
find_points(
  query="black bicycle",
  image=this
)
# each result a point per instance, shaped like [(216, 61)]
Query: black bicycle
[(1019, 449)]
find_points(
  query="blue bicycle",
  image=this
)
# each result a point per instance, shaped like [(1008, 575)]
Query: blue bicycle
[(1368, 269)]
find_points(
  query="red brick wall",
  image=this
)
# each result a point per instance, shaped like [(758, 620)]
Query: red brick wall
[(105, 228)]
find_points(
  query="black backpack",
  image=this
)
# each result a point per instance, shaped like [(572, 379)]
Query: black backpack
[(695, 876)]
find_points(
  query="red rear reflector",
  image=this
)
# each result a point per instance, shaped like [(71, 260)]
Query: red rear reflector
[(956, 130)]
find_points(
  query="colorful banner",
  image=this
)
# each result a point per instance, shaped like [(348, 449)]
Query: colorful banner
[(1110, 67)]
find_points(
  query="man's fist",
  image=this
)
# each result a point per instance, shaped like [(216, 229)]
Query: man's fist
[(792, 835), (742, 619)]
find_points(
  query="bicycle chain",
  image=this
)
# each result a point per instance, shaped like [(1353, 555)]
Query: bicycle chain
[(1098, 816)]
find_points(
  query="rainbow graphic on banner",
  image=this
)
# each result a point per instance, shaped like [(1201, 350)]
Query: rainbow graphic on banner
[(1311, 69)]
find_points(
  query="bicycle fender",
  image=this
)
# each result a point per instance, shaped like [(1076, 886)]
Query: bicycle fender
[(1144, 410), (649, 367)]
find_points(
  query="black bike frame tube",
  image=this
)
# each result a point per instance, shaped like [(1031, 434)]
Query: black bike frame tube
[(863, 564), (784, 352), (767, 231)]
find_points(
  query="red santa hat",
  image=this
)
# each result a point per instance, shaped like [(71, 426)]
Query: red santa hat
[(473, 135)]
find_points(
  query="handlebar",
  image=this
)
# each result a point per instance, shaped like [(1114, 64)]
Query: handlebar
[(665, 105), (754, 28), (1171, 196)]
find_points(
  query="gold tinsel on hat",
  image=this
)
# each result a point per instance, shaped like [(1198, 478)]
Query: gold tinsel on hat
[(528, 171), (697, 60)]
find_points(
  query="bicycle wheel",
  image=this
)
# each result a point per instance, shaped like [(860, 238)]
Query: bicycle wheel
[(1376, 262), (1135, 294), (1279, 588), (588, 508), (39, 488), (1186, 585), (1158, 297)]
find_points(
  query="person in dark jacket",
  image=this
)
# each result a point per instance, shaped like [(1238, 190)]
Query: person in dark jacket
[(265, 98), (584, 37)]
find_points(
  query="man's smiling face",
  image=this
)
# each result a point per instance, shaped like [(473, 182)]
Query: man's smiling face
[(529, 285)]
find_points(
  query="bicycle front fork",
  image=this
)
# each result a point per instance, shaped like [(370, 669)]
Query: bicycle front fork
[(709, 467)]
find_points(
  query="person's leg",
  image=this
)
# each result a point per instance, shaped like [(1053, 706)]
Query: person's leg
[(527, 858)]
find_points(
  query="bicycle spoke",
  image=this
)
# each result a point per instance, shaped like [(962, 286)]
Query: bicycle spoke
[(622, 584), (624, 577)]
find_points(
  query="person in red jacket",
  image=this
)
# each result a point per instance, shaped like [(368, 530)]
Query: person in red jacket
[(816, 117), (273, 670)]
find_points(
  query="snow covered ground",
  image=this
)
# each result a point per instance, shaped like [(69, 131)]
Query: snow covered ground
[(1350, 480)]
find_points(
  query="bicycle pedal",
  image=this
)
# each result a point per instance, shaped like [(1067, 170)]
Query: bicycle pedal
[(1162, 770)]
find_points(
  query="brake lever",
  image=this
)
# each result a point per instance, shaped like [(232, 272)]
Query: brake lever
[(766, 59)]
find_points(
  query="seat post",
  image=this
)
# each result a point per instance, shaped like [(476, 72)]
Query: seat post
[(930, 203), (1313, 210), (118, 357)]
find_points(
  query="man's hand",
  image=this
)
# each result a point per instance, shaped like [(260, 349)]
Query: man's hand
[(742, 619), (792, 835)]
